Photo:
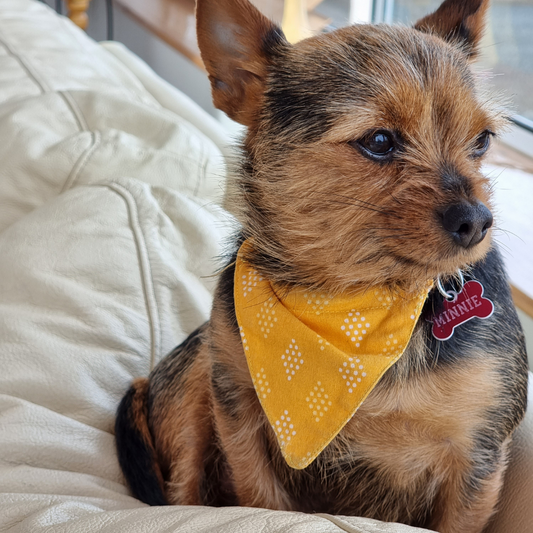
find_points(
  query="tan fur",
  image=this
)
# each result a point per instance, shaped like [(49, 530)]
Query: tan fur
[(187, 432), (454, 20), (404, 431), (238, 78), (427, 424)]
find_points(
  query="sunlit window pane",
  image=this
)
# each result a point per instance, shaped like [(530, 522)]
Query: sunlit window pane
[(507, 47)]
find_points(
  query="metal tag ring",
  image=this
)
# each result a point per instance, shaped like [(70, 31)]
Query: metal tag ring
[(451, 295)]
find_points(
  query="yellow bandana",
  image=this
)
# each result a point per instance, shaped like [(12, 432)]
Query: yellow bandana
[(315, 358)]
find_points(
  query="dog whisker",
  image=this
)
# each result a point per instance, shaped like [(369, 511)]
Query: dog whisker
[(508, 232)]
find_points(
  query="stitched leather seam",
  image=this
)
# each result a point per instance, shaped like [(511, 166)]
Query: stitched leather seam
[(26, 66), (202, 175), (75, 110), (145, 270), (340, 523), (82, 162)]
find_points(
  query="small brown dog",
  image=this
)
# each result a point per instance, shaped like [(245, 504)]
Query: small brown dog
[(360, 169)]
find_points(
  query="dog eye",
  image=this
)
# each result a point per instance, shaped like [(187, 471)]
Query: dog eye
[(481, 144), (378, 145)]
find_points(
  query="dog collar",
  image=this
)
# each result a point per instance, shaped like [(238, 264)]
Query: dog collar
[(314, 358)]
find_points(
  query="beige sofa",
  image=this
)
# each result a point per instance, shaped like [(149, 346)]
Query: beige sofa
[(110, 182)]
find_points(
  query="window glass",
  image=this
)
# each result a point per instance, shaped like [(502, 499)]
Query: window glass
[(337, 11), (506, 49)]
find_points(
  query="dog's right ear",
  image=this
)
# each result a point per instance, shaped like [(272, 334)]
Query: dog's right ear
[(459, 21), (235, 42)]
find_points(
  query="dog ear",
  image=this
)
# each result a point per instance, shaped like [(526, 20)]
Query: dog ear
[(459, 21), (235, 42)]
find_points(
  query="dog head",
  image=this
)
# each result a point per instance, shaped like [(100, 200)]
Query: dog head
[(361, 164)]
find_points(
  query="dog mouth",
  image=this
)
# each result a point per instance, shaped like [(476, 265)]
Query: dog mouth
[(449, 249), (458, 237)]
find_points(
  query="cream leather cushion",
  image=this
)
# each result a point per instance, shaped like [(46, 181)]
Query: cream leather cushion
[(109, 231), (71, 113)]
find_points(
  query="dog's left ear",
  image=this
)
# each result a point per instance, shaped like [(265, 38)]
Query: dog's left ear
[(459, 21)]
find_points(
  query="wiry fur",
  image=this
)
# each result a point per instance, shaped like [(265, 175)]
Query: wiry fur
[(303, 182), (428, 446)]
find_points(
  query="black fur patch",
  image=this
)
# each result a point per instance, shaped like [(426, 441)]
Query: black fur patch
[(135, 457), (487, 457), (170, 371), (224, 390), (300, 106), (225, 296), (274, 41), (462, 33), (217, 489)]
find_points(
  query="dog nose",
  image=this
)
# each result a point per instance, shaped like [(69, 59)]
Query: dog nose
[(467, 223)]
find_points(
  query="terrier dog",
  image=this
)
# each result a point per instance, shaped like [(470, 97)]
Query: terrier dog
[(358, 187)]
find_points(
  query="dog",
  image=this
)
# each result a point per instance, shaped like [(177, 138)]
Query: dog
[(358, 177)]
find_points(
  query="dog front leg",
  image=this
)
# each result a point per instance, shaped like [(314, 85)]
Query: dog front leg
[(242, 435), (182, 424), (466, 502), (192, 448)]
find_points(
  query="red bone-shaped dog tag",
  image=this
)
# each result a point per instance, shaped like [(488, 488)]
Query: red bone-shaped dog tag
[(467, 304)]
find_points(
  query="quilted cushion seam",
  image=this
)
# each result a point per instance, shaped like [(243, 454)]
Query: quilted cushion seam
[(75, 110), (145, 270), (82, 161), (348, 528), (26, 66)]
